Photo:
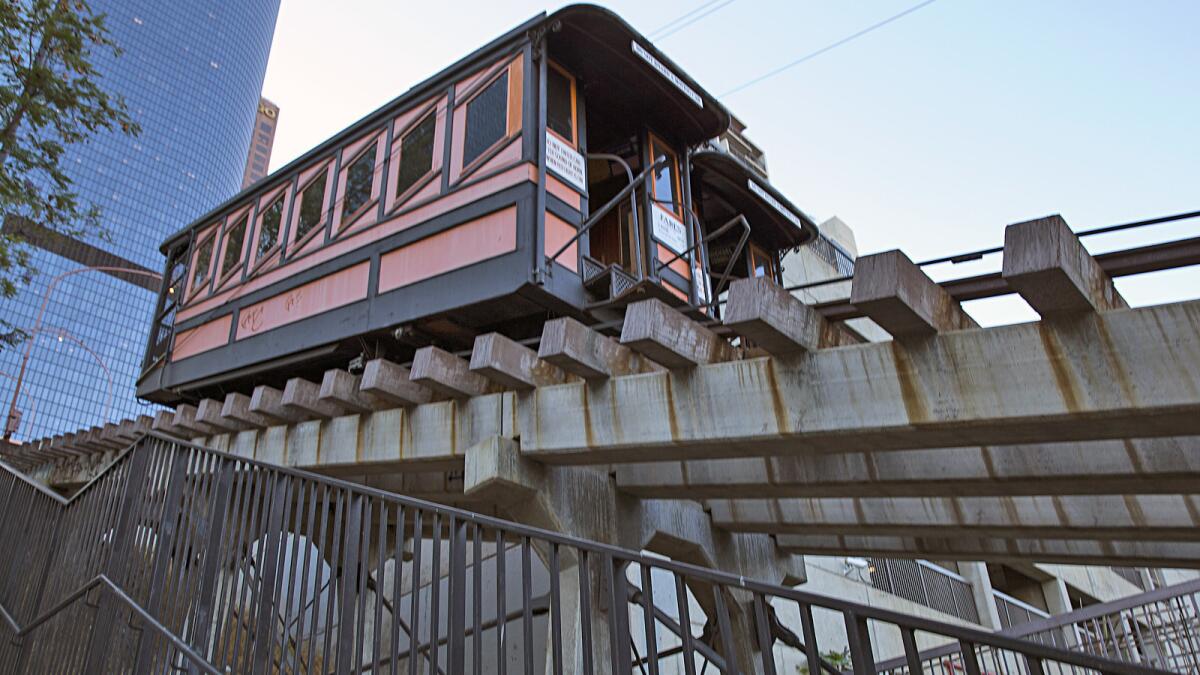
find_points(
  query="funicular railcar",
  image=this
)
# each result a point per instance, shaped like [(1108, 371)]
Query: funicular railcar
[(566, 169)]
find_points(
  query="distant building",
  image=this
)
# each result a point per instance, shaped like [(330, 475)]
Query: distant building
[(259, 157), (191, 73)]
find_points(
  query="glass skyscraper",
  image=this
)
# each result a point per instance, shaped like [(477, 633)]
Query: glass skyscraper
[(191, 74)]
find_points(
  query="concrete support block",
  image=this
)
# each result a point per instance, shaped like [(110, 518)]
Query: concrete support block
[(164, 422), (581, 351), (268, 402), (495, 471), (237, 409), (392, 382), (185, 419), (655, 330), (448, 374), (896, 294), (304, 398), (1049, 267), (511, 364), (761, 311), (342, 388), (209, 413)]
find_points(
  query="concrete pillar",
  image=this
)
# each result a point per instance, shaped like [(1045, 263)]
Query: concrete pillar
[(1059, 602), (511, 364), (981, 592)]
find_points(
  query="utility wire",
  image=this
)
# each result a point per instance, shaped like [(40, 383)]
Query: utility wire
[(681, 26), (822, 50), (671, 24)]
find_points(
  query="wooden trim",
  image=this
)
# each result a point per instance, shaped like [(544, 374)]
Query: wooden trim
[(257, 259), (224, 275), (299, 243), (192, 291), (574, 140), (657, 143), (348, 220), (397, 151)]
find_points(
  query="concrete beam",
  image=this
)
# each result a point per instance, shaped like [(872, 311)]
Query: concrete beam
[(304, 398), (495, 472), (652, 328), (1069, 551), (1137, 466), (392, 382), (185, 419), (1049, 267), (210, 412), (581, 351), (511, 364), (896, 294), (342, 389), (760, 310), (164, 422), (1103, 517), (268, 402), (448, 374), (237, 408), (1134, 373)]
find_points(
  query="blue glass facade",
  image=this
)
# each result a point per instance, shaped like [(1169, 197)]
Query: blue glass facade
[(191, 74)]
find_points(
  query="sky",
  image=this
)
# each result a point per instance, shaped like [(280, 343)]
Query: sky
[(929, 134)]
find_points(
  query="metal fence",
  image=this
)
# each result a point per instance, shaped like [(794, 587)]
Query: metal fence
[(1014, 612), (926, 583), (182, 558)]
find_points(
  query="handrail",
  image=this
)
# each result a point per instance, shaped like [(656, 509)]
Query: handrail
[(1019, 603), (967, 638), (608, 206), (105, 583), (1060, 620)]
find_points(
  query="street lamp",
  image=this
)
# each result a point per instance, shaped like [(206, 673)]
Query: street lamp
[(14, 419)]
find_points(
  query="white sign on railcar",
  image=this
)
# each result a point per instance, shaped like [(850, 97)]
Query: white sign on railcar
[(667, 73), (669, 229), (766, 197), (563, 160)]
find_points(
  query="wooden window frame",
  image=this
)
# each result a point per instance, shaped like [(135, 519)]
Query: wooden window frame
[(513, 110), (223, 275), (574, 140), (300, 242), (398, 153), (656, 142), (348, 219), (260, 257), (194, 291)]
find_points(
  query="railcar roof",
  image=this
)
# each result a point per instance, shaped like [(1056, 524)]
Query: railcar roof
[(770, 213), (593, 39)]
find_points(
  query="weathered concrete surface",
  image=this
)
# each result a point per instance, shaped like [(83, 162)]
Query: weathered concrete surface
[(1049, 267), (447, 374), (513, 365), (210, 413), (655, 330), (268, 402), (1144, 517), (423, 438), (237, 407), (579, 350), (896, 294), (304, 398), (1130, 373), (1137, 466), (391, 382), (342, 388), (1071, 551), (760, 310)]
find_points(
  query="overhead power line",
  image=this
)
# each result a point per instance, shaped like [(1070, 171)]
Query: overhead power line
[(682, 17), (822, 50), (685, 24)]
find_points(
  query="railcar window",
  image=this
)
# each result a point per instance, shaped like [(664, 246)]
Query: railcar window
[(358, 183), (268, 232), (203, 264), (416, 154), (761, 264), (487, 119), (312, 206), (235, 238), (666, 178), (560, 104)]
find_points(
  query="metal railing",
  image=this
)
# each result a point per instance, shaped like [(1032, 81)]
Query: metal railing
[(1014, 612), (182, 558), (927, 584), (1156, 629), (1133, 575)]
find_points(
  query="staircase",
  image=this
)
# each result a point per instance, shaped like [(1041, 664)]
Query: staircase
[(180, 558)]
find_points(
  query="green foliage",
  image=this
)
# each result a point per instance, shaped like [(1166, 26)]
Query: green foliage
[(838, 660), (50, 98)]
